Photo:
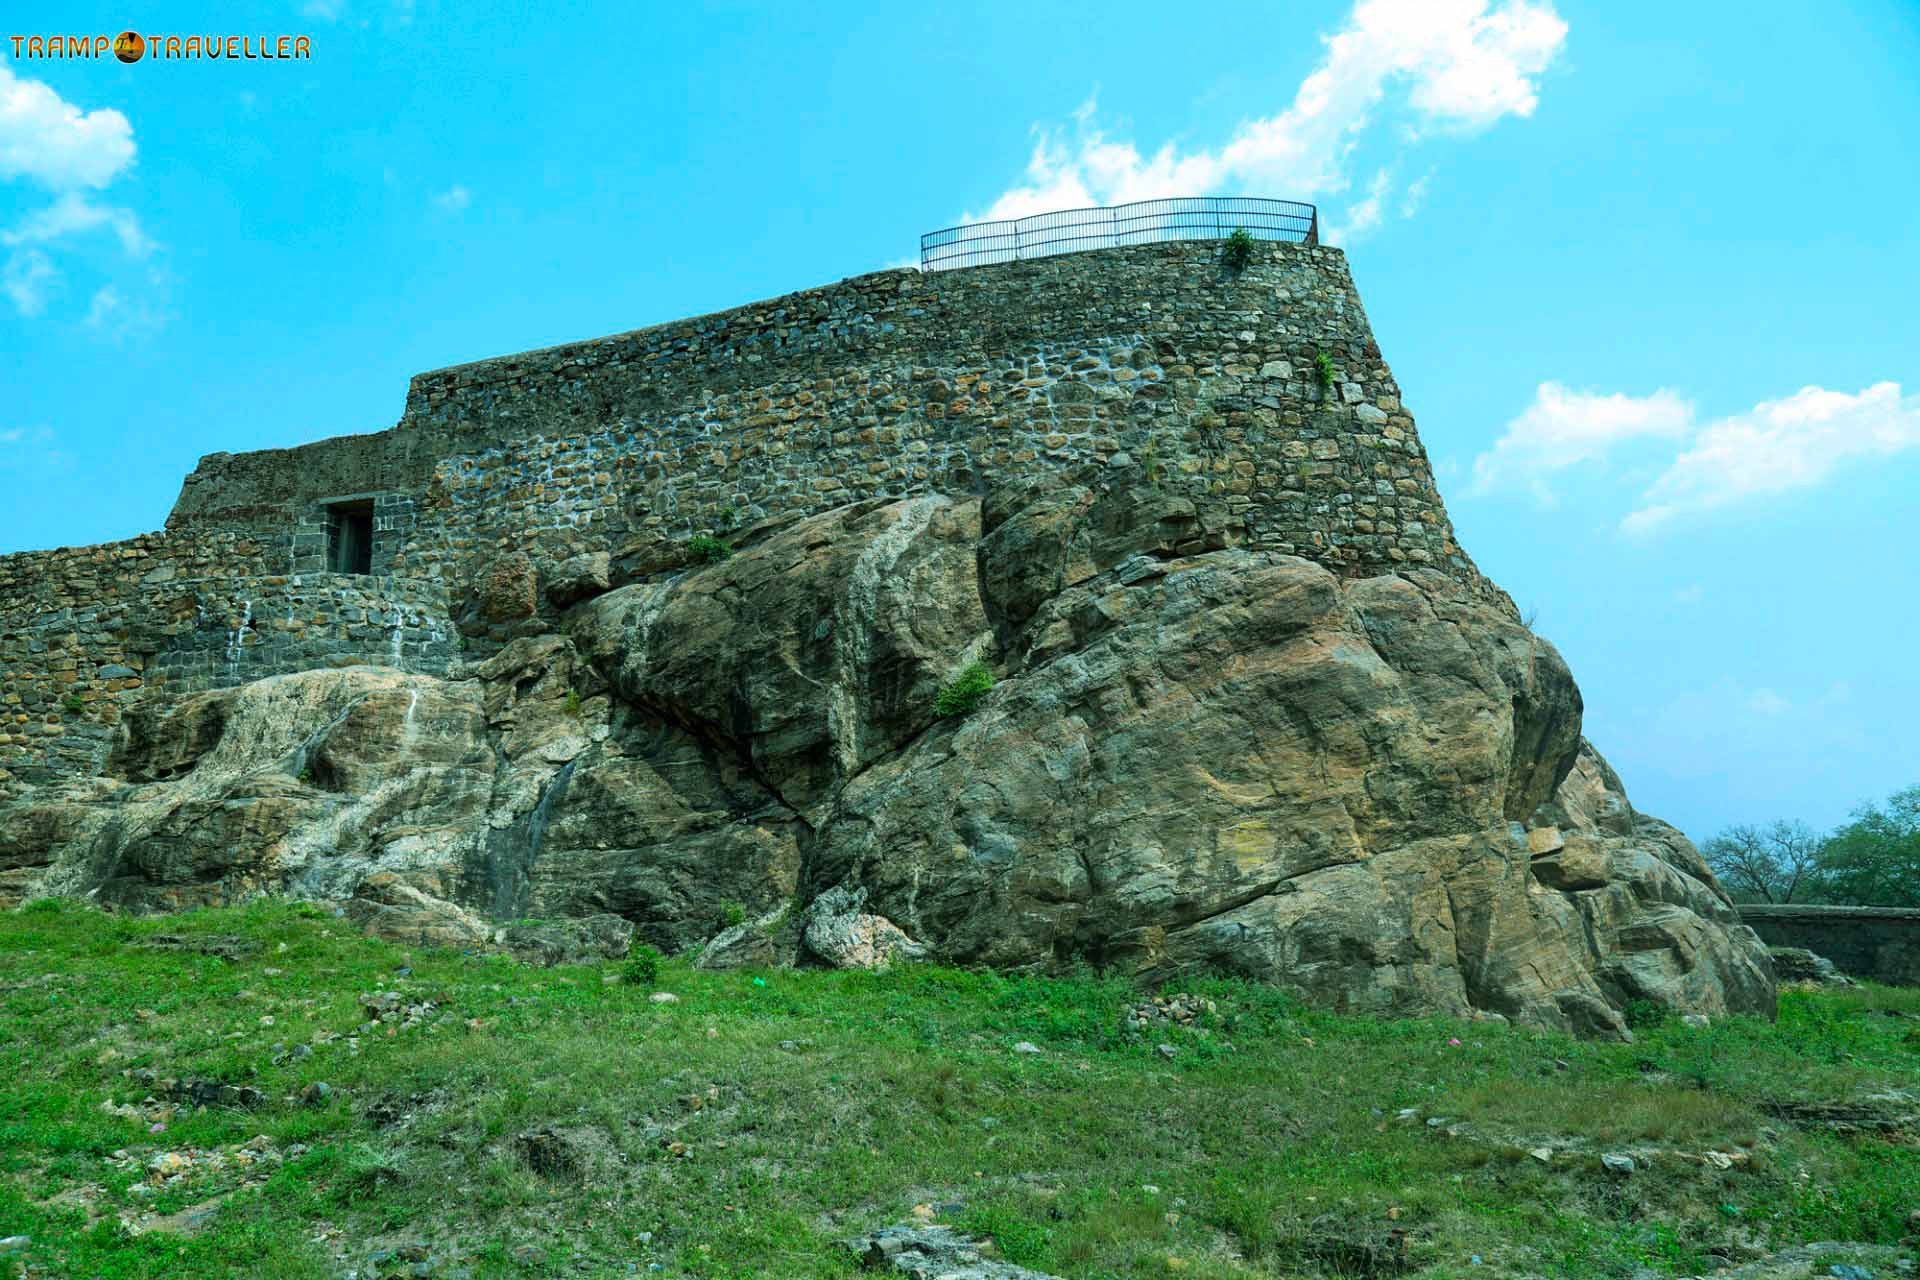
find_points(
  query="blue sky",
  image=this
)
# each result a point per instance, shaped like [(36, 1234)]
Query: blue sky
[(1645, 272)]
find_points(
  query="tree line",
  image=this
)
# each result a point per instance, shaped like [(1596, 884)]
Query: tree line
[(1871, 861)]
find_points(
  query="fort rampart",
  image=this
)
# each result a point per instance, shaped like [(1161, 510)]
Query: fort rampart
[(1260, 392)]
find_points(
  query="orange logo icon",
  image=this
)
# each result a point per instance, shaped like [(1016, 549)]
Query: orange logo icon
[(128, 46)]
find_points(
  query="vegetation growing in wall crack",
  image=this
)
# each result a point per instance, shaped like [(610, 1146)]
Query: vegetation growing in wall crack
[(1323, 369), (72, 704), (964, 692), (1151, 466), (573, 703), (1238, 251), (707, 549)]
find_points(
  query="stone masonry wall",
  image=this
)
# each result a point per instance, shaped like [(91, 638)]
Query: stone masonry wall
[(67, 675), (894, 383), (1878, 943)]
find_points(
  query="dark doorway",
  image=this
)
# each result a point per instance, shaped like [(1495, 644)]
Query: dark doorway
[(350, 537)]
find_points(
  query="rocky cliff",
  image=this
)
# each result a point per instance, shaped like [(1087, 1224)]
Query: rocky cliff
[(1196, 755)]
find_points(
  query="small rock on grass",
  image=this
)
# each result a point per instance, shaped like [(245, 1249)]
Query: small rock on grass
[(15, 1244), (664, 997), (1616, 1162), (1026, 1046)]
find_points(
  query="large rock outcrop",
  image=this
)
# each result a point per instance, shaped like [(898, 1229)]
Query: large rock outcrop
[(1195, 756)]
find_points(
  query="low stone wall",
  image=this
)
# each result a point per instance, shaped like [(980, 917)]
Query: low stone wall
[(1877, 943), (67, 675), (37, 586)]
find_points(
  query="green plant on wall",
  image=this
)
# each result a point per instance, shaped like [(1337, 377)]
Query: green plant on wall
[(573, 703), (707, 549), (1239, 250), (1323, 368), (1150, 465), (72, 704), (965, 691)]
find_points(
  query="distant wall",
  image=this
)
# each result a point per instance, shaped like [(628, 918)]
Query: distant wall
[(1879, 943)]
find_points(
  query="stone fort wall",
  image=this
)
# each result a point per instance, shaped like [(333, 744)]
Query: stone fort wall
[(892, 383), (1878, 943)]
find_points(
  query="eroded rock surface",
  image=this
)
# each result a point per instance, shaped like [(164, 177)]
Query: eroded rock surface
[(1196, 757)]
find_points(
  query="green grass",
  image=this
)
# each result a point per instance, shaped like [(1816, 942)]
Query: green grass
[(1271, 1143)]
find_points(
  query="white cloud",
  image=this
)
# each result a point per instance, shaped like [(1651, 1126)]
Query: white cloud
[(1453, 66), (22, 446), (1775, 447), (74, 214), (323, 10), (454, 198), (1416, 195), (131, 306), (27, 279), (1778, 446), (49, 142), (47, 139), (1765, 702), (1562, 428), (1364, 215)]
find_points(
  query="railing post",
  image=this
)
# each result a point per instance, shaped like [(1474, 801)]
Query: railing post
[(1313, 226)]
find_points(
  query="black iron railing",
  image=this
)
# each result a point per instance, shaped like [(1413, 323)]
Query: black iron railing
[(1142, 222)]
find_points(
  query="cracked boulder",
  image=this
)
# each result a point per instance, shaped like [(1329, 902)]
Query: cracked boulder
[(1234, 760)]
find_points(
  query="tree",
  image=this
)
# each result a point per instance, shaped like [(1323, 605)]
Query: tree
[(1874, 860), (1776, 863)]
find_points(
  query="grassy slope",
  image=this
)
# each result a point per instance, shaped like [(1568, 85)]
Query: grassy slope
[(1274, 1142)]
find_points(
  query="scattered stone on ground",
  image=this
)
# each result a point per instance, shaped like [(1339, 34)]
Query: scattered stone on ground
[(224, 945), (1817, 1262), (1891, 1111), (1184, 1010), (934, 1253)]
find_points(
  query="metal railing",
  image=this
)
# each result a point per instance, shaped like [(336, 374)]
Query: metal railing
[(1142, 222)]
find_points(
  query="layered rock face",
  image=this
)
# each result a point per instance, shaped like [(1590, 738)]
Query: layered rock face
[(1196, 756)]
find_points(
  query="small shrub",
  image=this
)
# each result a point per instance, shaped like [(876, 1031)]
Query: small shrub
[(573, 703), (306, 775), (1645, 1015), (643, 967), (732, 914), (1239, 250), (44, 907), (728, 520), (72, 705), (1323, 365), (707, 549), (965, 691)]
